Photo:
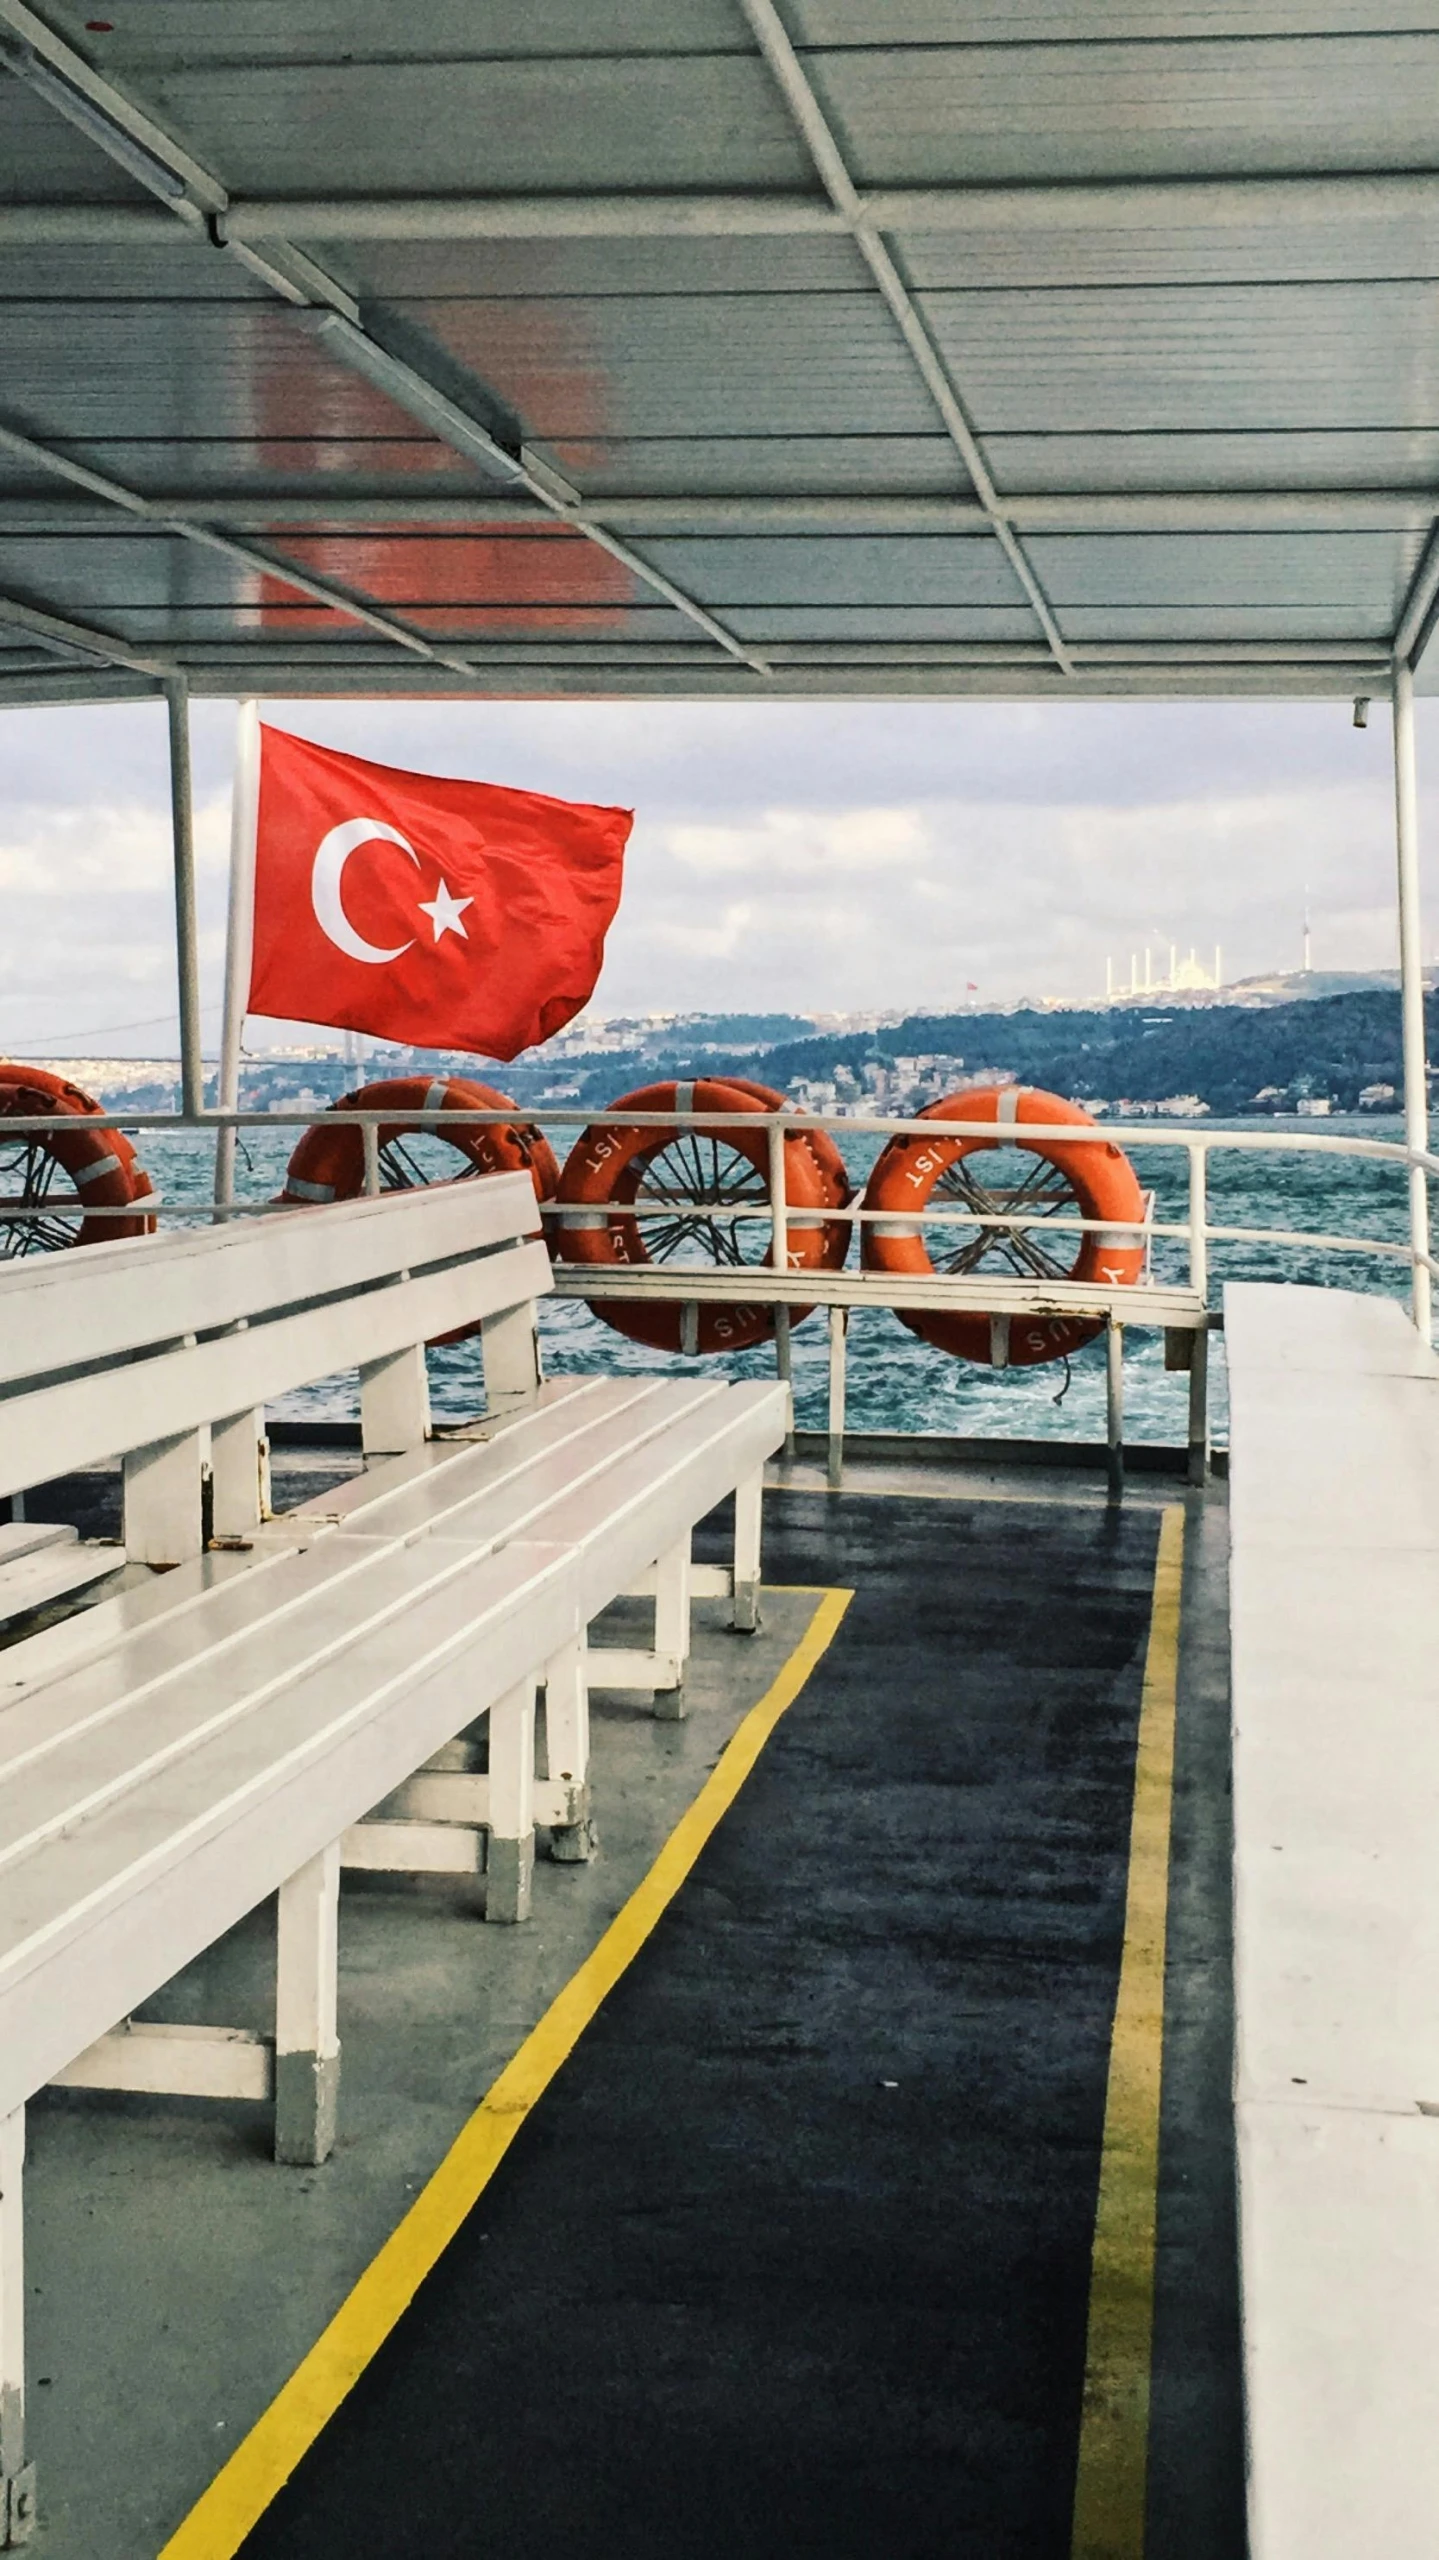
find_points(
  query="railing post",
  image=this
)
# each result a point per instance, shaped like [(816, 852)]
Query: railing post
[(778, 1204), (371, 1137), (187, 947), (1411, 985), (1114, 1382), (838, 1324), (1199, 1219)]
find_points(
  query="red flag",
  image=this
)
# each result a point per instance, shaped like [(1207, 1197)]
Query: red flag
[(455, 915)]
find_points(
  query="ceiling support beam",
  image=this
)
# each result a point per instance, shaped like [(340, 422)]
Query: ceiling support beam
[(1099, 511), (1421, 605), (1126, 205), (74, 641), (140, 510), (770, 35), (138, 144)]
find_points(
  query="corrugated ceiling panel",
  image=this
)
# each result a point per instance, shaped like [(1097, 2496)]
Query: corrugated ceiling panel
[(539, 270), (1362, 571), (923, 465), (1291, 459), (178, 271), (855, 570), (1361, 356), (43, 159), (977, 114), (1183, 623), (685, 121), (1035, 22), (682, 365), (880, 622), (1271, 248), (306, 32)]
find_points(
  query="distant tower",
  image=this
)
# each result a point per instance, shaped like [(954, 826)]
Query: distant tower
[(1306, 964)]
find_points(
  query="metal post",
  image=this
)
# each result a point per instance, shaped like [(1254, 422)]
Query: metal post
[(838, 1324), (187, 939), (1411, 983), (1114, 1364), (784, 1369), (1199, 1220), (370, 1142), (778, 1203), (1199, 1407), (239, 936)]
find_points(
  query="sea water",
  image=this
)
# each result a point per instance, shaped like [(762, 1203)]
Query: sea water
[(895, 1382)]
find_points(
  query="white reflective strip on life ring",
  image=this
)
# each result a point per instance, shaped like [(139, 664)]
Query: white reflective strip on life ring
[(436, 1095), (895, 1227), (588, 1221), (1006, 1110), (799, 1221), (684, 1097), (97, 1171), (299, 1190), (999, 1342), (1118, 1239)]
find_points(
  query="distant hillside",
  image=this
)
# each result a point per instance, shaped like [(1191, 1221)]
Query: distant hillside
[(1228, 1055)]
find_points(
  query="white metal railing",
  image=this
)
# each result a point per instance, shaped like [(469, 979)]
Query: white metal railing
[(774, 1281)]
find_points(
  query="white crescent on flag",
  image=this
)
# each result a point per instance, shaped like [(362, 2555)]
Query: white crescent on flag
[(331, 855)]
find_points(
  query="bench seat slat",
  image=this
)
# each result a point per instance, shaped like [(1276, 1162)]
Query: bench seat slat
[(93, 1920), (124, 1408), (116, 1299)]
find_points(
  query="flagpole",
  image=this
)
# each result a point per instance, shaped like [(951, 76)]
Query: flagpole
[(239, 935)]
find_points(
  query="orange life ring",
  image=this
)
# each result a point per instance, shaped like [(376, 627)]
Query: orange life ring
[(1101, 1178), (604, 1170), (101, 1163), (329, 1162)]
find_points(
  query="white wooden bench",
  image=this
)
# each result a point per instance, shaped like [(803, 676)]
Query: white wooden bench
[(1334, 1494), (164, 1350), (180, 1752)]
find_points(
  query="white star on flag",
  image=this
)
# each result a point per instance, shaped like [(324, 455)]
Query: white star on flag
[(446, 911)]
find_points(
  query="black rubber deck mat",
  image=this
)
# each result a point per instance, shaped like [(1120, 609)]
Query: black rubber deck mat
[(793, 2256)]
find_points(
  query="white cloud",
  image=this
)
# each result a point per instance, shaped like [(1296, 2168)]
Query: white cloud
[(791, 856)]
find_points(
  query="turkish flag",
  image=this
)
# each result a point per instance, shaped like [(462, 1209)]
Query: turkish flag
[(454, 915)]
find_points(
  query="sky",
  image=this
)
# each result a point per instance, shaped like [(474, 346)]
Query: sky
[(785, 857)]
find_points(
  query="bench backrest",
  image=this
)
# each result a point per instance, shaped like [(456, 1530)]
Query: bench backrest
[(121, 1346)]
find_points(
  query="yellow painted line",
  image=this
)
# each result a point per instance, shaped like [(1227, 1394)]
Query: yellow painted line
[(259, 2466), (1114, 2424)]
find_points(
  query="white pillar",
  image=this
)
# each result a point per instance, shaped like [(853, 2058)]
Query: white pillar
[(510, 1862), (1411, 980), (394, 1403), (510, 1352), (748, 1510), (17, 2479), (239, 1474), (187, 945), (567, 1751), (162, 1500), (672, 1624), (307, 2042)]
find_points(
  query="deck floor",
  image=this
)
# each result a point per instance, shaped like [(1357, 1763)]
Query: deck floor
[(730, 2290)]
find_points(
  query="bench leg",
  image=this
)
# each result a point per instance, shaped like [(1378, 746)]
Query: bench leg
[(510, 1868), (748, 1505), (17, 2479), (510, 1351), (162, 1501), (239, 1474), (394, 1403), (567, 1745), (672, 1624), (307, 2043)]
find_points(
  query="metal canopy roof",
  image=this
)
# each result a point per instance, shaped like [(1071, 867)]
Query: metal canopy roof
[(738, 347)]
